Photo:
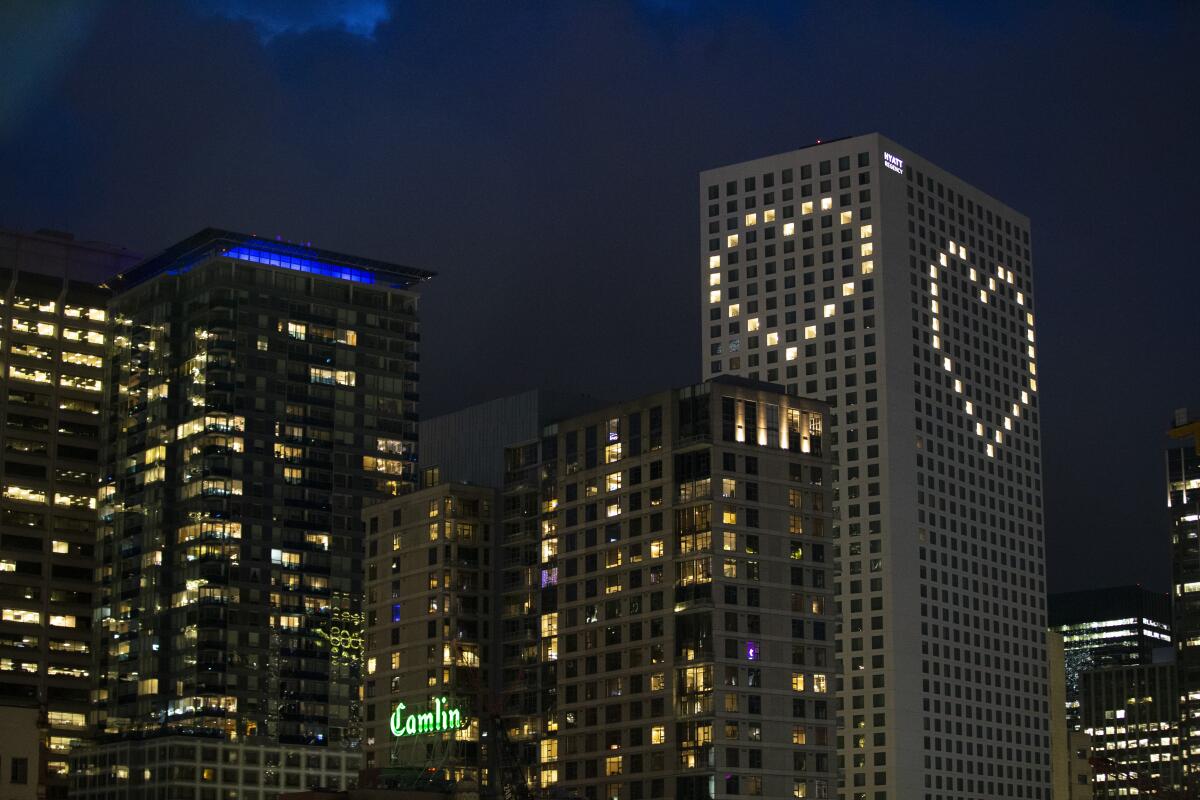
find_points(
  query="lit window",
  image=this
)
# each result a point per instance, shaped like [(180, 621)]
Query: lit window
[(74, 500), (810, 331), (714, 296), (24, 494), (21, 615), (798, 681), (791, 353), (844, 218), (63, 620), (714, 279), (331, 377), (826, 203), (868, 267), (751, 220), (848, 289), (60, 547), (734, 310), (769, 215), (731, 240), (77, 382), (83, 359), (773, 339), (829, 310), (613, 481), (865, 231), (867, 248), (806, 207), (752, 324), (799, 737), (658, 734), (983, 295), (27, 374), (789, 228)]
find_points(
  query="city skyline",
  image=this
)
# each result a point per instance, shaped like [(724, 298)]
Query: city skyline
[(545, 180)]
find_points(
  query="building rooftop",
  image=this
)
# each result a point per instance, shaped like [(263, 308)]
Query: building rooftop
[(212, 242), (1120, 602)]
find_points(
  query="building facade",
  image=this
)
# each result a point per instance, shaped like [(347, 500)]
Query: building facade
[(1183, 508), (259, 394), (52, 345), (856, 271), (430, 619), (662, 604), (1130, 714), (1121, 626)]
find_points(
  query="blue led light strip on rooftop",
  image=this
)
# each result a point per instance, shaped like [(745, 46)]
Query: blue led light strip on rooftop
[(309, 265)]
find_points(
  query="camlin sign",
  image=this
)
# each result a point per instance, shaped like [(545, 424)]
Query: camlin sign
[(441, 718)]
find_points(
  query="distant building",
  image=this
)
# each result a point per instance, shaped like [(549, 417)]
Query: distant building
[(1130, 714), (259, 394), (661, 606), (1121, 626), (1183, 504), (53, 319)]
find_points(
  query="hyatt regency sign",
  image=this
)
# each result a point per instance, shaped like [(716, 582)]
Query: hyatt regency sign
[(441, 718)]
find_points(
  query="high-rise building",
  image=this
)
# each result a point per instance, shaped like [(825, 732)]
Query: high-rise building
[(1121, 626), (258, 395), (1131, 715), (1183, 504), (662, 618), (430, 604), (857, 271), (53, 320)]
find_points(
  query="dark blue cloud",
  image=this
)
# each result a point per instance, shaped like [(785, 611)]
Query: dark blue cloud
[(272, 18)]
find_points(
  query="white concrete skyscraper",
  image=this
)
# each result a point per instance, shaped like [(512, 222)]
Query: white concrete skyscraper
[(856, 272)]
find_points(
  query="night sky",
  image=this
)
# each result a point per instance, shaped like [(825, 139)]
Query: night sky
[(543, 159)]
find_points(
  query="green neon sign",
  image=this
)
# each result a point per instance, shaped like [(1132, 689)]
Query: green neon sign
[(442, 718)]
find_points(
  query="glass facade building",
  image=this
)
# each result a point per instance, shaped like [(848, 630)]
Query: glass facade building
[(1121, 626), (258, 395)]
